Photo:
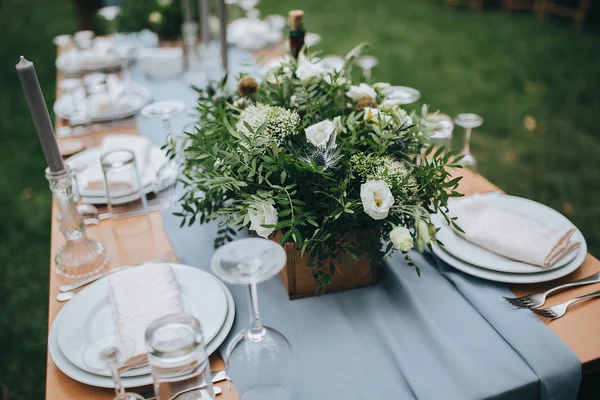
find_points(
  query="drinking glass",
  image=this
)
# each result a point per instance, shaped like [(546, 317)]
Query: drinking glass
[(468, 121), (367, 63), (112, 352), (442, 130), (75, 89), (259, 359), (122, 182), (178, 358), (164, 110), (80, 256)]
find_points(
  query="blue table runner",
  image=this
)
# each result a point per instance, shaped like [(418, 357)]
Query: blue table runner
[(445, 335)]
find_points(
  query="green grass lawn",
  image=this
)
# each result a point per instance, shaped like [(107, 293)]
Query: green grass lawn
[(507, 68)]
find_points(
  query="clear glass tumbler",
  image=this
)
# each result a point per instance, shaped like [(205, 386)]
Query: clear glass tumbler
[(122, 182), (178, 358)]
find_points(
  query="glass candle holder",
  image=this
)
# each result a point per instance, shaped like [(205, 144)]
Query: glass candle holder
[(178, 358), (80, 256)]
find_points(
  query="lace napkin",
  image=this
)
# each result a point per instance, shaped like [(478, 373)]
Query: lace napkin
[(138, 296), (509, 234)]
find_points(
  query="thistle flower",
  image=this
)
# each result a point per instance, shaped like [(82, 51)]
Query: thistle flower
[(326, 158), (366, 102), (247, 86)]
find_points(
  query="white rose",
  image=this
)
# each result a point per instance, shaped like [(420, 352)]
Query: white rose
[(374, 115), (319, 133), (262, 214), (155, 17), (376, 198), (307, 70), (401, 238), (362, 90)]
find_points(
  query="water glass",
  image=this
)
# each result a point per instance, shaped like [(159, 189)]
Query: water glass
[(178, 358), (122, 182)]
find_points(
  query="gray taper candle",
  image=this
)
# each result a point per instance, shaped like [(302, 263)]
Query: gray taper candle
[(204, 15), (187, 10), (223, 32), (39, 114)]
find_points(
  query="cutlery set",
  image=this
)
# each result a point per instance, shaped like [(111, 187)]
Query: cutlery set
[(534, 301)]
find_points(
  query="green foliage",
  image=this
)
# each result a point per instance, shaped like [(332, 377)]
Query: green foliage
[(161, 16), (251, 156)]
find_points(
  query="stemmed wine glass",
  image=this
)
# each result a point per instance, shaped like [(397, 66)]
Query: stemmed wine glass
[(367, 63), (164, 110), (250, 7), (112, 352), (468, 121), (258, 359)]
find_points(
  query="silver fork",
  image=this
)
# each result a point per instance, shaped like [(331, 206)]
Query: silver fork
[(67, 287), (559, 310), (538, 299)]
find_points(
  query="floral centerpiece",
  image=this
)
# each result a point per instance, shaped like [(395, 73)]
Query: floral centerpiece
[(313, 156)]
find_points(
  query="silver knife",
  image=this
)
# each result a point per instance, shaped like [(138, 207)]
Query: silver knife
[(218, 376)]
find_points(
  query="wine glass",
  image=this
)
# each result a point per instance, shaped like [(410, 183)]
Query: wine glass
[(468, 121), (164, 110), (367, 63), (112, 352), (250, 7), (258, 359)]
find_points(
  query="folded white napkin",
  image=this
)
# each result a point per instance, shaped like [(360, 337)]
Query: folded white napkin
[(92, 179), (509, 234), (138, 296)]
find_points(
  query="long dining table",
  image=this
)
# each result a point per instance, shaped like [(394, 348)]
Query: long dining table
[(138, 239)]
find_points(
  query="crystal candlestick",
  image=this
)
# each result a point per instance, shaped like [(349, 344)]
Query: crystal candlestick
[(80, 256)]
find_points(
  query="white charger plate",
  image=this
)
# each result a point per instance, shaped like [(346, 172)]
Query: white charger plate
[(87, 317), (466, 251), (129, 105), (129, 382), (156, 159), (508, 277)]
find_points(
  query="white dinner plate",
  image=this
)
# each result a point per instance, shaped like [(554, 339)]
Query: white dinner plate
[(156, 160), (508, 277), (466, 251), (87, 317), (128, 104), (128, 382)]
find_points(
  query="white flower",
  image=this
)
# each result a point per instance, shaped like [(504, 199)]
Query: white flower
[(401, 238), (380, 85), (362, 90), (164, 3), (390, 104), (374, 115), (155, 17), (337, 121), (376, 198), (307, 70), (271, 68), (318, 134), (425, 234), (262, 214)]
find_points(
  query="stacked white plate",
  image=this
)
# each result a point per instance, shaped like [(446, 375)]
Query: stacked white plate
[(154, 164), (87, 318), (101, 107), (477, 261)]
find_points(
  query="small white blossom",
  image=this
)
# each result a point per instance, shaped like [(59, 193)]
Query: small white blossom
[(262, 214), (401, 238), (362, 90), (307, 70), (318, 134), (377, 198), (337, 121), (390, 104), (374, 115), (380, 85)]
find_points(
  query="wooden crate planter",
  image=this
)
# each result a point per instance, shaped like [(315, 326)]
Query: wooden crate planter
[(297, 275)]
